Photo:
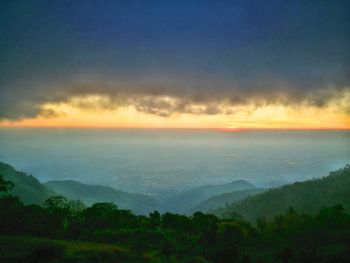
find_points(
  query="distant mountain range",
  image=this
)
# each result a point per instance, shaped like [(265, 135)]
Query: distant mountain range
[(31, 191), (91, 194), (304, 197), (187, 200), (238, 196), (223, 199)]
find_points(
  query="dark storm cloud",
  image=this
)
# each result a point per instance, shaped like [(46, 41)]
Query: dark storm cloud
[(202, 53)]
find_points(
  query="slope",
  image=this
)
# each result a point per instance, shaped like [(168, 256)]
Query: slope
[(304, 197), (26, 187), (90, 194), (184, 201), (223, 199)]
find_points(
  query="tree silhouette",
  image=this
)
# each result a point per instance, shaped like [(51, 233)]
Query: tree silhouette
[(5, 186)]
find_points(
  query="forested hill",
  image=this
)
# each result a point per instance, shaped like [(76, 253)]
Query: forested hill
[(184, 201), (26, 187), (223, 199), (304, 197), (65, 231), (90, 194), (31, 191)]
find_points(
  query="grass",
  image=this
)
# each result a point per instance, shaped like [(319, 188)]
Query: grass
[(35, 249)]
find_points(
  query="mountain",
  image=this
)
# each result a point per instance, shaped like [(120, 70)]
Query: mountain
[(185, 200), (223, 199), (31, 191), (304, 197), (26, 187), (90, 194)]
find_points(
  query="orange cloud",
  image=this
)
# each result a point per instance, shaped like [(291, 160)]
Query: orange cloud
[(73, 114)]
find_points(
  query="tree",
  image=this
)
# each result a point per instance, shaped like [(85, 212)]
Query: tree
[(59, 213), (5, 186), (76, 207), (10, 209), (176, 222), (155, 219), (230, 240), (203, 222), (101, 216), (58, 205)]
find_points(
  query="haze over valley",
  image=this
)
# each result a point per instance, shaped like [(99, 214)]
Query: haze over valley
[(165, 131)]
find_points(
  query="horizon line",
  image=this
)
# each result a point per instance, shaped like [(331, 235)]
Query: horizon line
[(223, 129)]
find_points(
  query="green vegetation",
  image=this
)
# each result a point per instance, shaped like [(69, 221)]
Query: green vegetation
[(31, 191), (65, 231), (223, 199), (90, 194), (185, 201), (5, 186), (26, 187), (305, 197), (34, 249)]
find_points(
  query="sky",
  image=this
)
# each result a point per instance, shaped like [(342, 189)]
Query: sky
[(175, 64)]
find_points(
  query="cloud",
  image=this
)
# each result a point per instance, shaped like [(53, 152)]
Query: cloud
[(50, 113), (166, 59), (165, 100)]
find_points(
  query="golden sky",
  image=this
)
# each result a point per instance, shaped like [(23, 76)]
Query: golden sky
[(86, 112), (191, 65)]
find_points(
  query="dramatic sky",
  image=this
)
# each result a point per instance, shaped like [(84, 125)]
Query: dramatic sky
[(200, 63)]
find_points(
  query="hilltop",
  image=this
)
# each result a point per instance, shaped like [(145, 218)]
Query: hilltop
[(26, 187), (188, 199), (90, 194), (305, 197)]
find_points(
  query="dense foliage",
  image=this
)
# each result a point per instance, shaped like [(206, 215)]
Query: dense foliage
[(125, 237), (185, 201), (305, 197), (90, 194), (26, 187), (225, 199), (31, 191)]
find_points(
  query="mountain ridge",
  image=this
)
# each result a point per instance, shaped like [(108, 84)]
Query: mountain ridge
[(305, 197), (27, 187), (184, 201), (225, 198), (90, 194)]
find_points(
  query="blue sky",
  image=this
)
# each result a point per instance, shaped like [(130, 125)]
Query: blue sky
[(194, 50)]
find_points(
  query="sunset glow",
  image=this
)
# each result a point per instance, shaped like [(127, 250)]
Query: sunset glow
[(87, 112), (232, 65)]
